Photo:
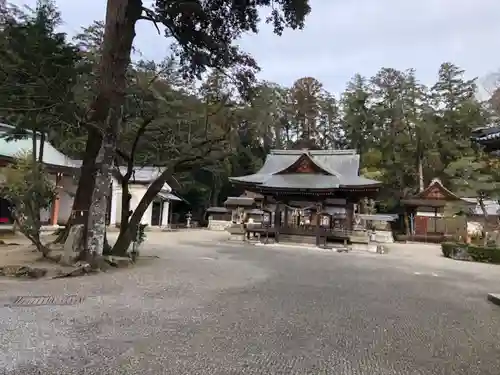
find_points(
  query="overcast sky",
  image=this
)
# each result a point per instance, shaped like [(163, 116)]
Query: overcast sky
[(344, 37)]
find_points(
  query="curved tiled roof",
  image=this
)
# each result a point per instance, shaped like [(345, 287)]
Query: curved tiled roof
[(486, 134), (51, 156), (436, 182), (341, 167)]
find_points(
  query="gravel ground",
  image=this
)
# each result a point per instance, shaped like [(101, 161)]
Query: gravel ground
[(210, 307)]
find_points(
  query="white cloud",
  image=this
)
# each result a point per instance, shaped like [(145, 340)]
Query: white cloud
[(344, 37)]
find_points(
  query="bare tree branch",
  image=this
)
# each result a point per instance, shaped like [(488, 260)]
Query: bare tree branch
[(150, 16)]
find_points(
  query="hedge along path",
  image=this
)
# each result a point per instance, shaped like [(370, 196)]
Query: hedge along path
[(476, 253)]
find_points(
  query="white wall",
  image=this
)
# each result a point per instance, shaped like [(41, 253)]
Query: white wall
[(165, 218), (45, 215), (68, 190), (137, 191), (66, 196)]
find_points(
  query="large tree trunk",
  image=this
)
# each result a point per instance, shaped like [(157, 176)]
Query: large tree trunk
[(420, 165), (125, 215), (96, 227), (83, 196), (421, 184), (119, 34), (216, 188)]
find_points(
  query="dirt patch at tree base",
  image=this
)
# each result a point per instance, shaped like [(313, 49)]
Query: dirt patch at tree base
[(25, 262)]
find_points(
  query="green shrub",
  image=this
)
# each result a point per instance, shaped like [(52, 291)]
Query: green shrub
[(28, 188), (484, 254), (448, 248)]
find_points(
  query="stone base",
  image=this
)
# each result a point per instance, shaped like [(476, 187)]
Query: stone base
[(235, 229), (73, 244), (384, 236), (359, 237), (372, 248), (219, 225), (236, 237), (295, 239), (381, 236)]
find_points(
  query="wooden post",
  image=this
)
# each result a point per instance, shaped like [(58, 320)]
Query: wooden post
[(349, 215), (406, 223), (445, 227), (318, 222), (277, 220), (286, 215), (160, 220), (435, 219), (54, 215)]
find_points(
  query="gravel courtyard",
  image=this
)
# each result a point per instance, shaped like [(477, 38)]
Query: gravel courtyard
[(211, 307)]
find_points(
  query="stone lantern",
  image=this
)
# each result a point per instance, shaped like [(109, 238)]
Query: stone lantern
[(188, 219)]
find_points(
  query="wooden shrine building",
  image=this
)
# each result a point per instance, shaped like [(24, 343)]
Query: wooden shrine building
[(424, 213), (309, 195)]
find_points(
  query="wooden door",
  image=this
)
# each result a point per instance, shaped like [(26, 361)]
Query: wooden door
[(421, 223)]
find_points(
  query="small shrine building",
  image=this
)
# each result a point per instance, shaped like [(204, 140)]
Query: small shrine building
[(424, 213)]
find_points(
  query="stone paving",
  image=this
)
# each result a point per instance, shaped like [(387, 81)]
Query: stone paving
[(211, 307)]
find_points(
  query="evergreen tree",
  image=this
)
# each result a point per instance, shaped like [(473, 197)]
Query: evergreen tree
[(391, 126), (418, 127), (305, 97), (457, 113), (38, 71), (330, 132), (357, 116)]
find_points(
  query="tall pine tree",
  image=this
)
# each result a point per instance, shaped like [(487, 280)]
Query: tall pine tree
[(457, 113)]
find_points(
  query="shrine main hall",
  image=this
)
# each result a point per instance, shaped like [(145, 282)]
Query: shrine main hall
[(310, 195)]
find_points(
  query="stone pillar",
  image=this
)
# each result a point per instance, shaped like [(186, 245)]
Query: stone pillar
[(54, 216)]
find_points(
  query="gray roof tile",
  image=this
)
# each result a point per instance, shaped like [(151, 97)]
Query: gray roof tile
[(143, 174), (492, 207), (169, 196), (342, 166), (51, 156)]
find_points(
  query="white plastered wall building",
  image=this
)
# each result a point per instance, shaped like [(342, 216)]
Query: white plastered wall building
[(158, 213)]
